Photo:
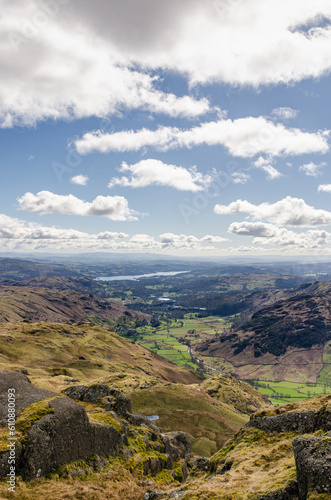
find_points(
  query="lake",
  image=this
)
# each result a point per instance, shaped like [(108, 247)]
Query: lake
[(138, 277)]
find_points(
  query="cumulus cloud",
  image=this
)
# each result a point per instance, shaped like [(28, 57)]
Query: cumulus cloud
[(265, 165), (155, 172), (286, 212), (244, 137), (269, 234), (19, 234), (82, 59), (256, 229), (326, 188), (181, 241), (312, 169), (72, 71), (80, 180), (113, 207), (285, 113)]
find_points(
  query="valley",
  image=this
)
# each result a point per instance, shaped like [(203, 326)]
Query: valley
[(208, 355)]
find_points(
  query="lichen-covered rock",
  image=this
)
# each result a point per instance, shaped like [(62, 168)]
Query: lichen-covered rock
[(289, 493), (111, 398), (177, 494), (202, 464), (54, 430), (303, 422), (313, 462), (153, 494), (25, 392)]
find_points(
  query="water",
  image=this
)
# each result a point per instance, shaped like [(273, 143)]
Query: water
[(137, 277), (153, 417)]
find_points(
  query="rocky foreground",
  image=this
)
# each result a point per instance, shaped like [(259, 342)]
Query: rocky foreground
[(87, 443)]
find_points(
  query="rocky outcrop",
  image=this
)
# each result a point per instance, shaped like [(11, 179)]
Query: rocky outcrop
[(111, 399), (301, 422), (289, 493), (313, 462), (58, 430), (25, 392)]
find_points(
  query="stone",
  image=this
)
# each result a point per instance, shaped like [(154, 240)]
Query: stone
[(177, 494), (202, 464), (65, 435), (153, 494), (313, 462)]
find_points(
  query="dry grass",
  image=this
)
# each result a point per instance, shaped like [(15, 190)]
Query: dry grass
[(115, 483), (260, 463), (82, 353)]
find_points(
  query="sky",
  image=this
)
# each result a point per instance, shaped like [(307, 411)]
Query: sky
[(198, 128)]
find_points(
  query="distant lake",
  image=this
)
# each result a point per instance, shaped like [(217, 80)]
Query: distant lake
[(137, 277)]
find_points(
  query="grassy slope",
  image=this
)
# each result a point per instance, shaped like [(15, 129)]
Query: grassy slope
[(190, 409), (44, 304), (82, 353), (257, 462), (238, 394)]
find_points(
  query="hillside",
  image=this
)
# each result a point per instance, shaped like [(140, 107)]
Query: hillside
[(288, 340), (18, 303), (55, 355), (236, 393), (282, 454), (79, 284), (20, 269), (191, 409)]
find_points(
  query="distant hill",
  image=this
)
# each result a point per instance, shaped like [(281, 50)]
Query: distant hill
[(18, 303), (19, 269), (287, 340), (77, 283)]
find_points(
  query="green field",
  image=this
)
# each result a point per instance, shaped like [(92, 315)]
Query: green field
[(167, 340), (286, 392)]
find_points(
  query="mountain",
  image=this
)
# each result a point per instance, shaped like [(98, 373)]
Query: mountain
[(18, 303), (20, 269), (287, 340), (55, 355), (79, 284)]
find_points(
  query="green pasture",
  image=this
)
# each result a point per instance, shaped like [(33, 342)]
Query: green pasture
[(287, 392)]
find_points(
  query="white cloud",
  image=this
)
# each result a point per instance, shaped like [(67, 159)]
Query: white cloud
[(80, 180), (16, 234), (286, 212), (72, 71), (182, 241), (312, 169), (264, 164), (45, 202), (12, 228), (240, 178), (285, 113), (326, 188), (261, 42), (256, 229), (244, 137), (84, 59), (269, 234), (155, 172)]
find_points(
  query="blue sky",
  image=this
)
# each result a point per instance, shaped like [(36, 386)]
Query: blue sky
[(191, 128)]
